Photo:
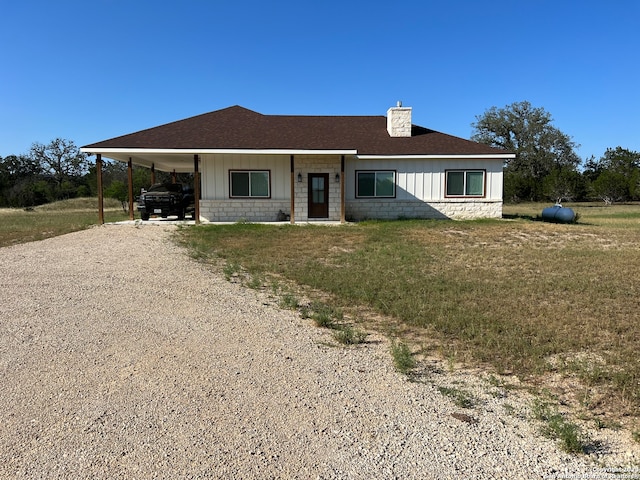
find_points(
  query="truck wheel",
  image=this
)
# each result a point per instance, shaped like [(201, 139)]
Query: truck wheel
[(144, 216), (181, 214)]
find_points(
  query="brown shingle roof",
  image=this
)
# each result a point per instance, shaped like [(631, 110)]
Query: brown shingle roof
[(239, 128)]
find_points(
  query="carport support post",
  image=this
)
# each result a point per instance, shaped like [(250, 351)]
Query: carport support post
[(130, 178), (342, 212), (100, 194), (196, 188), (293, 192), (153, 173)]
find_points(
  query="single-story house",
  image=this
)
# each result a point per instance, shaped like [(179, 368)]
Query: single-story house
[(254, 167)]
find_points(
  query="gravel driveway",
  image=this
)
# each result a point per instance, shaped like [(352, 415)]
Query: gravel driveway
[(120, 357)]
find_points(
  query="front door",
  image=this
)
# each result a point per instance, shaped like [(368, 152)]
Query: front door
[(318, 195)]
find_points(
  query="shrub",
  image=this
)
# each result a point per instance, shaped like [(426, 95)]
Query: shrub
[(349, 336), (289, 301), (230, 269), (402, 357), (322, 319), (556, 426), (325, 315), (460, 397), (255, 283)]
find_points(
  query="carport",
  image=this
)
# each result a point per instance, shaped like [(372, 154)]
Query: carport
[(165, 160)]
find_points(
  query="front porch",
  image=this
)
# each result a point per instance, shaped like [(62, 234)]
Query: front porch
[(300, 188), (297, 187)]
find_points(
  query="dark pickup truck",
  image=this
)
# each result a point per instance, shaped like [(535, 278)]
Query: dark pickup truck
[(166, 199)]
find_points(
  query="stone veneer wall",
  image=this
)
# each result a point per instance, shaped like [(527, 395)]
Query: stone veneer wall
[(393, 209), (243, 210), (306, 164), (267, 210), (399, 121)]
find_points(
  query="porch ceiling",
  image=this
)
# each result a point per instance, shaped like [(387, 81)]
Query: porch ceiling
[(181, 162)]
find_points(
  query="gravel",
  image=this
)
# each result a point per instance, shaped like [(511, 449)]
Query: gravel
[(121, 357)]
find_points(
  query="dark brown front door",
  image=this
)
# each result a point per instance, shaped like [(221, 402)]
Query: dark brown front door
[(318, 195)]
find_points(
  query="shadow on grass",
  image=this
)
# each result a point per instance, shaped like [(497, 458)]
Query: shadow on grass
[(538, 218), (519, 216)]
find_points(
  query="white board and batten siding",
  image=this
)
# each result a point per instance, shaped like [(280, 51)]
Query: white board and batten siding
[(215, 173), (421, 179), (420, 189), (424, 179), (216, 204)]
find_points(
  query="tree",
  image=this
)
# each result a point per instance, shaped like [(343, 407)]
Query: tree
[(118, 190), (16, 166), (540, 147), (113, 171), (592, 169), (616, 175), (564, 184), (63, 162), (20, 179), (610, 187)]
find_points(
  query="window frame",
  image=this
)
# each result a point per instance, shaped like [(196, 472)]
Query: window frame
[(375, 172), (249, 171), (465, 171)]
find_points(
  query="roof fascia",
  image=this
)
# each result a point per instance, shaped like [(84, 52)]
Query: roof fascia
[(204, 151), (485, 156)]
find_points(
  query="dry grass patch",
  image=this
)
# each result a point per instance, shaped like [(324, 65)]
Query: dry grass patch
[(20, 226), (508, 295)]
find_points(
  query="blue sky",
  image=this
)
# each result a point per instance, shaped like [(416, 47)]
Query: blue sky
[(91, 70)]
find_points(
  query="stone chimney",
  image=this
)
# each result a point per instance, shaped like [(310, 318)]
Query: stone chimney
[(399, 121)]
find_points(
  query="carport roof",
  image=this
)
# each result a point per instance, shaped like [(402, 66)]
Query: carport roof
[(239, 129)]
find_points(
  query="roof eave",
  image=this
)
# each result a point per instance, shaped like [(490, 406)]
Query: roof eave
[(475, 156), (204, 151)]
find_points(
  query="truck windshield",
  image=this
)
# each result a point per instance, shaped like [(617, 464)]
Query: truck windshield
[(168, 187)]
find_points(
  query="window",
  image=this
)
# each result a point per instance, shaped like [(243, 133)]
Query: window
[(465, 183), (249, 183), (376, 184)]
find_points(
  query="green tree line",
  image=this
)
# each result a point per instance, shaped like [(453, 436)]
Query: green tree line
[(60, 171), (546, 167)]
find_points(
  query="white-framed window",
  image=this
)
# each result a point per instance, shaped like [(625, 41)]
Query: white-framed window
[(249, 183), (465, 183), (375, 183)]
